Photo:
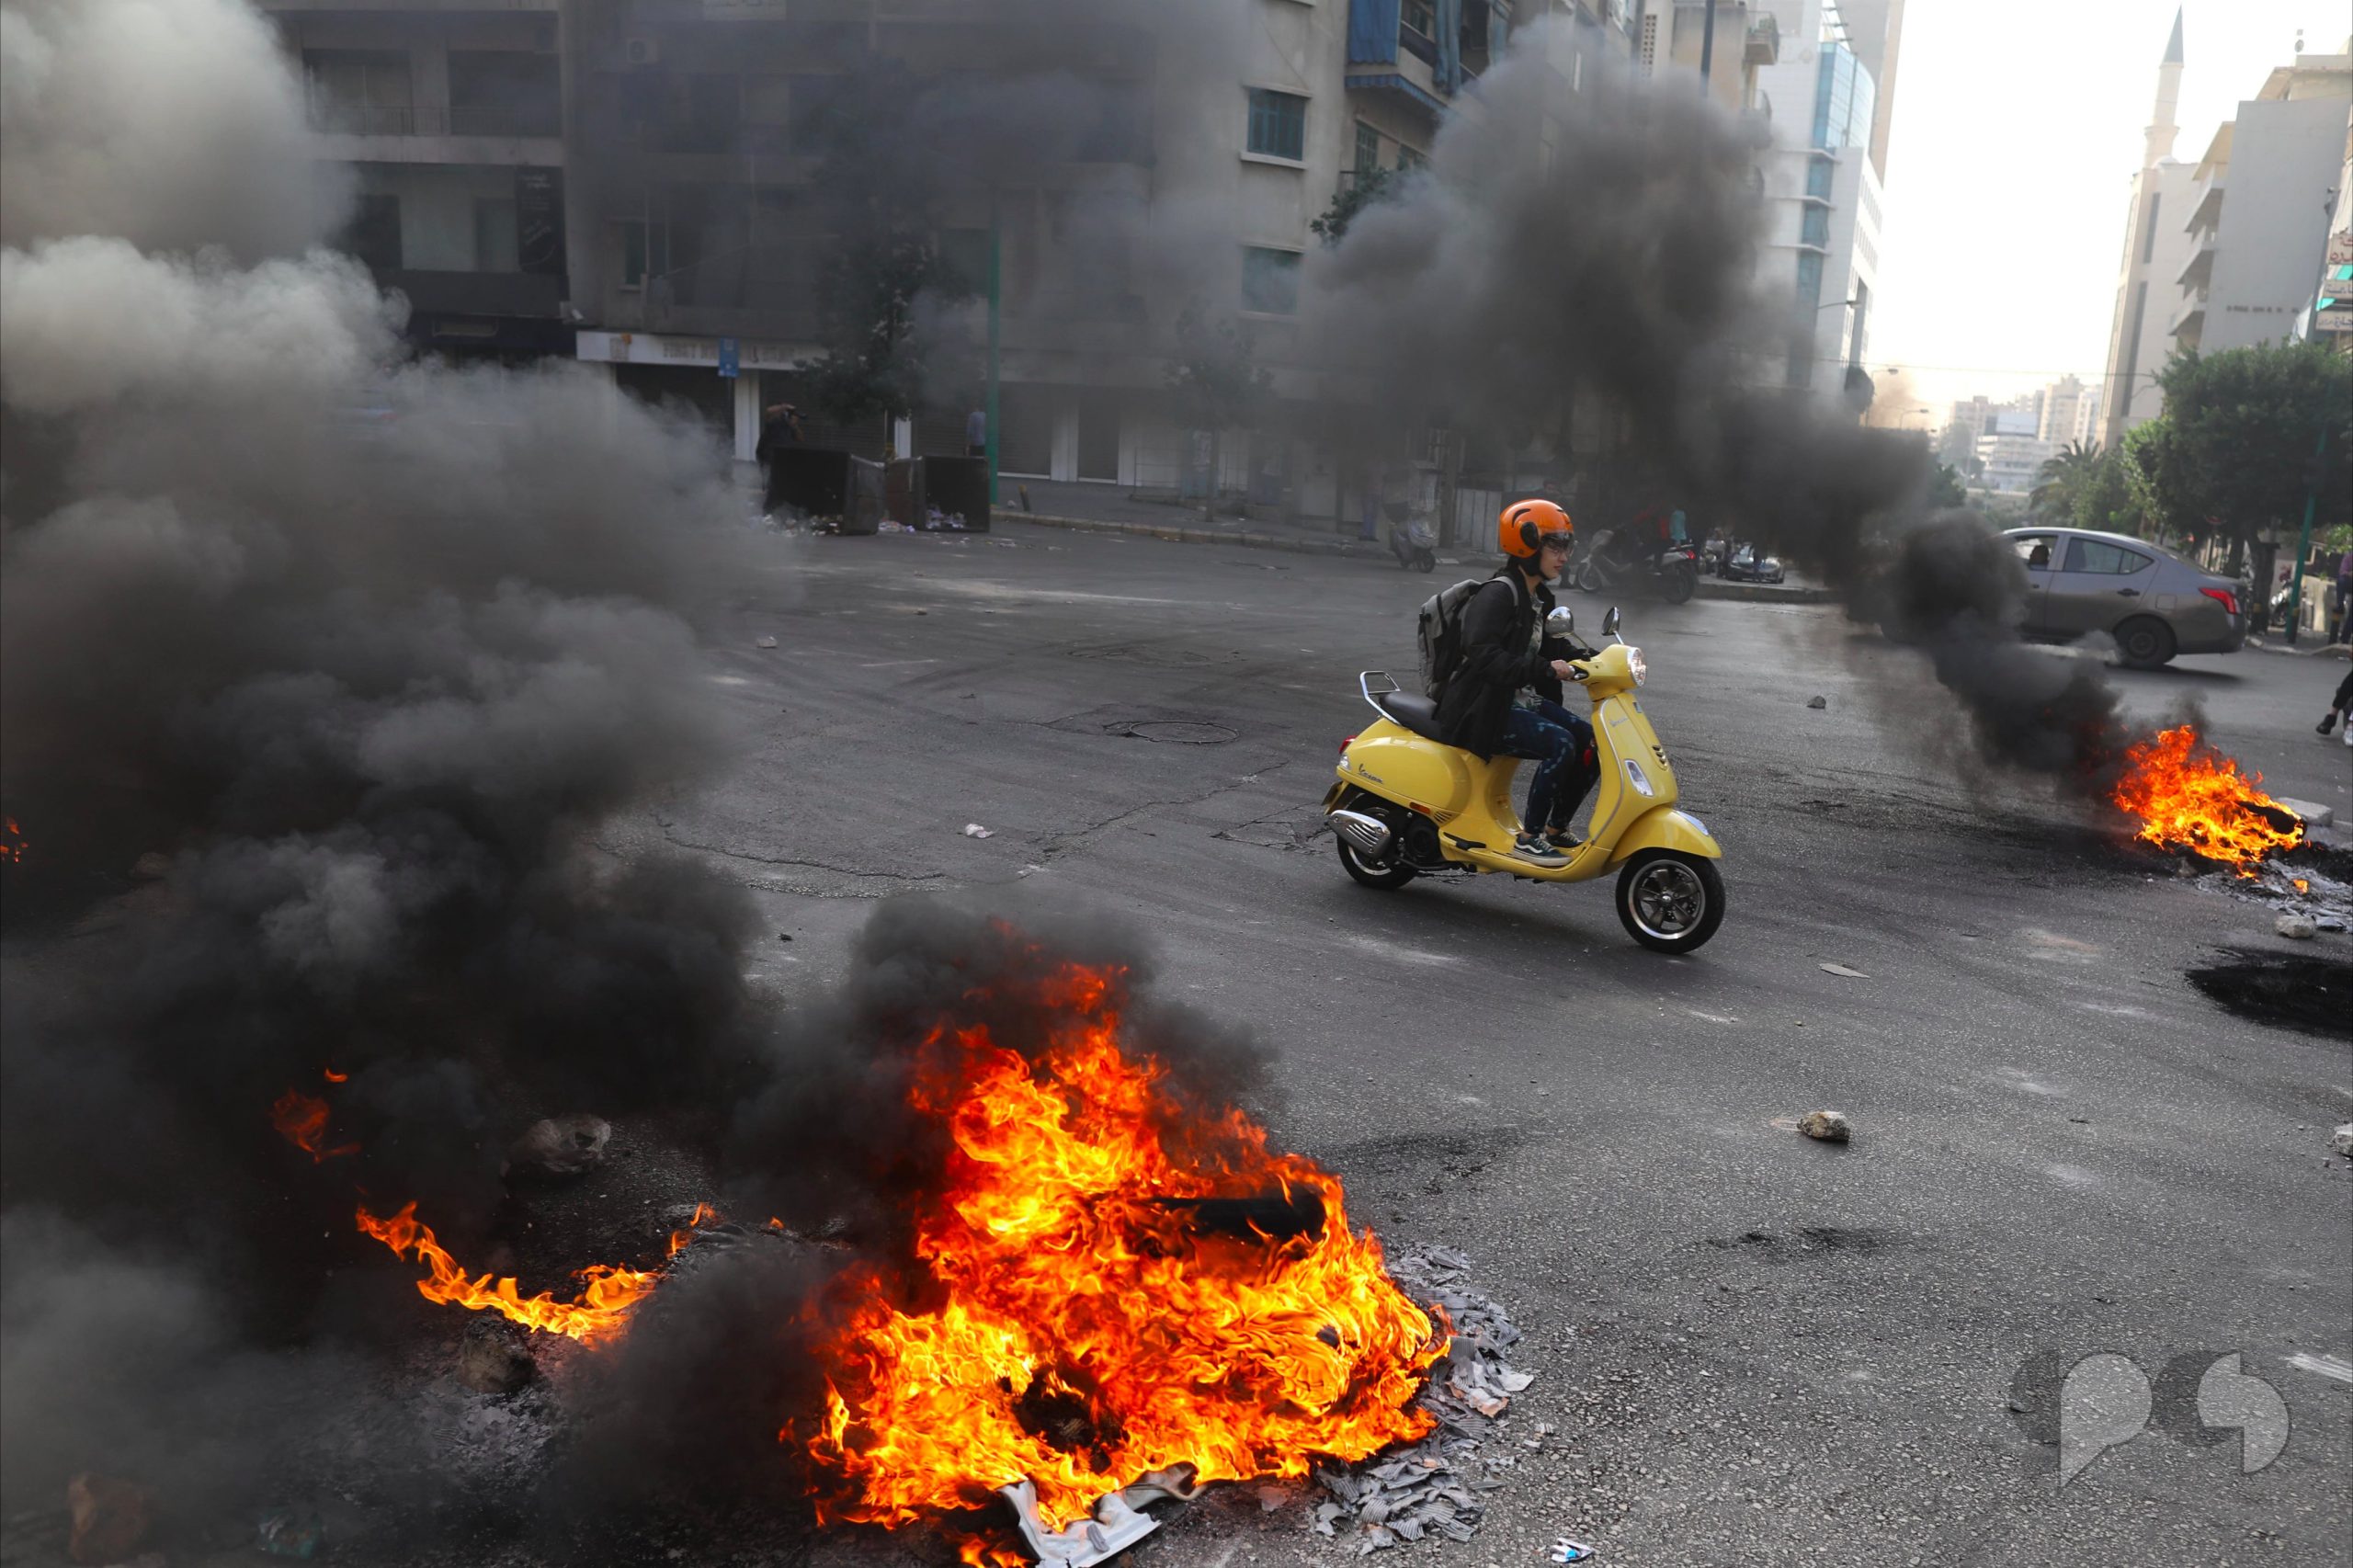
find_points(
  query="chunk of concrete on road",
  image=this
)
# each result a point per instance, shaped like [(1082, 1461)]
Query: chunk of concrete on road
[(1818, 702), (2343, 1141), (1827, 1126), (2313, 811), (2298, 927)]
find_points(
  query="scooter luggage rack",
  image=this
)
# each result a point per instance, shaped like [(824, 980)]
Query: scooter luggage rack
[(1364, 684)]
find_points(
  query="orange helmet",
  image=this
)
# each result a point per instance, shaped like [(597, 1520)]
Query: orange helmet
[(1525, 525)]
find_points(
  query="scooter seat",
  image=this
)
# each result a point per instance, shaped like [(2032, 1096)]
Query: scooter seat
[(1417, 712)]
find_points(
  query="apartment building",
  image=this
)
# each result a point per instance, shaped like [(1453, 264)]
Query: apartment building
[(2260, 205), (2070, 413), (1823, 185), (453, 121)]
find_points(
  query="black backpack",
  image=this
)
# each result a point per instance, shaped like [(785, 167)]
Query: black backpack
[(1439, 628)]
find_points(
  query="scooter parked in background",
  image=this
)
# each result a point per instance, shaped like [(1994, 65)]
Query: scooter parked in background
[(1672, 572), (1413, 544)]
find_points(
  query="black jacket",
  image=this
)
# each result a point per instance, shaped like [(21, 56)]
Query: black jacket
[(1501, 654)]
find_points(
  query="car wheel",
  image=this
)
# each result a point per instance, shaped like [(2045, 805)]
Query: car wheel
[(1670, 902), (2144, 642)]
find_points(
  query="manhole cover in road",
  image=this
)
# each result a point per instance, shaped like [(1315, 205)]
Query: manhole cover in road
[(1171, 731)]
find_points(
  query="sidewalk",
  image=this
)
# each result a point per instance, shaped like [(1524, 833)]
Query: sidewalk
[(2309, 645)]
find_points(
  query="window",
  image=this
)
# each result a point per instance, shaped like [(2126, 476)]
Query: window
[(1410, 159), (1270, 282), (1809, 283), (1819, 172), (2110, 559), (1421, 16), (644, 250), (495, 248), (1278, 124), (361, 91), (2034, 550), (373, 235), (504, 93), (1368, 148), (1813, 226)]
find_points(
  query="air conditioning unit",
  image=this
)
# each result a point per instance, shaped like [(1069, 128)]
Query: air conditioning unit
[(642, 50)]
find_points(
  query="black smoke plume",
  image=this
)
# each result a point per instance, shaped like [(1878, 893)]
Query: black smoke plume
[(319, 673), (1608, 272)]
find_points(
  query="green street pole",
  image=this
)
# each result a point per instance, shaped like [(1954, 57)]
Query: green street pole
[(2304, 539), (989, 411)]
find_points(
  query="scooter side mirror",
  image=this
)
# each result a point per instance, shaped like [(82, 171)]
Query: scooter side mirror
[(1561, 624), (1609, 622)]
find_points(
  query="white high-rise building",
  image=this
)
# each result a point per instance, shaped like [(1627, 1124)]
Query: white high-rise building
[(2070, 411), (1822, 182), (2156, 249)]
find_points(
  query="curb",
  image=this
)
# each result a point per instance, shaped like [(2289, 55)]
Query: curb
[(1173, 535), (2299, 651)]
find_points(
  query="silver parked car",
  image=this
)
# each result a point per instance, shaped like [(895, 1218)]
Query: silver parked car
[(2153, 602)]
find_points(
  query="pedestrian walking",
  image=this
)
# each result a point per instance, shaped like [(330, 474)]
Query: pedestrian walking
[(2336, 707), (779, 428), (2342, 606)]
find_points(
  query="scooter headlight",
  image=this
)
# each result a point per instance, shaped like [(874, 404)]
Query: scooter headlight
[(1636, 663)]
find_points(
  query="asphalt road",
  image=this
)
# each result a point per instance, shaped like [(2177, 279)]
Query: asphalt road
[(1753, 1349)]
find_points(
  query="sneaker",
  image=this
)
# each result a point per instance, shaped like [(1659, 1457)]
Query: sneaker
[(1533, 847), (1563, 839), (2327, 722)]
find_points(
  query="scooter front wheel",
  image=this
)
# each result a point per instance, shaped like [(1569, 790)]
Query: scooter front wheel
[(1670, 902)]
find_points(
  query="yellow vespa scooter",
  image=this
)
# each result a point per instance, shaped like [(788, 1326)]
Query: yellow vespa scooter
[(1407, 806)]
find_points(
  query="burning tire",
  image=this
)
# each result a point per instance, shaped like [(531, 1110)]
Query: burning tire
[(2145, 643), (1670, 902)]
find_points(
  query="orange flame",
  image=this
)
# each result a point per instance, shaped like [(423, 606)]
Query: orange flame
[(601, 1310), (333, 1076), (1064, 1321), (303, 1121), (2189, 796), (704, 1215), (12, 841)]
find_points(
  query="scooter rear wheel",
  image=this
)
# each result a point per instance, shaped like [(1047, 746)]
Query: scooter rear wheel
[(1670, 902), (1386, 878), (1678, 583)]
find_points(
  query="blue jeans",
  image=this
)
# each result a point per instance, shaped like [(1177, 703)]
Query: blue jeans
[(1560, 744)]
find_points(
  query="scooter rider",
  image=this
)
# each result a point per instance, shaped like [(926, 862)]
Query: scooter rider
[(1502, 694)]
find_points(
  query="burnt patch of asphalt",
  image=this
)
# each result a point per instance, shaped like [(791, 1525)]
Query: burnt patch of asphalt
[(2291, 991)]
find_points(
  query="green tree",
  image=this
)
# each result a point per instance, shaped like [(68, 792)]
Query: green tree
[(873, 190), (2242, 428), (1371, 187), (2059, 480), (2105, 500), (1945, 489), (1217, 381), (2153, 476)]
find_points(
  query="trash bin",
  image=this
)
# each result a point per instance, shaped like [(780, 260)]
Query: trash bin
[(829, 487), (955, 488)]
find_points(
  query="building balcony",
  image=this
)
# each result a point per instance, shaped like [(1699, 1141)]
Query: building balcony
[(1409, 49), (2189, 323), (407, 133), (1764, 40), (2198, 270), (2208, 215)]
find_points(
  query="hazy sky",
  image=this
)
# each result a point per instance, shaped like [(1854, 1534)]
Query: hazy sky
[(2018, 124)]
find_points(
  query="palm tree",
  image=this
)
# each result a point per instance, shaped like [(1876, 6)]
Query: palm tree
[(2059, 479)]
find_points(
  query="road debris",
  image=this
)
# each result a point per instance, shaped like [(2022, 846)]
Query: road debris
[(1842, 968), (1567, 1550), (560, 1145), (110, 1518), (2296, 927), (1814, 702), (2343, 1141), (1827, 1126), (974, 830), (492, 1360), (763, 642), (290, 1532), (1438, 1485)]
